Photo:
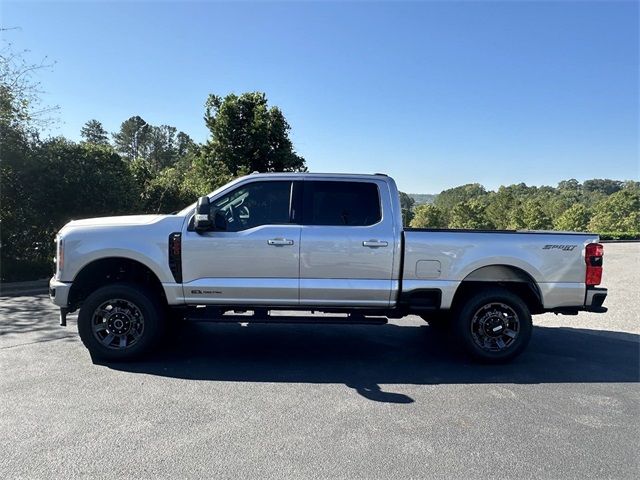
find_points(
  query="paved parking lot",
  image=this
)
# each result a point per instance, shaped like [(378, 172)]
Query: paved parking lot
[(274, 401)]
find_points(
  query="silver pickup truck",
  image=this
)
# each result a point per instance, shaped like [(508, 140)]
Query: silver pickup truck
[(314, 242)]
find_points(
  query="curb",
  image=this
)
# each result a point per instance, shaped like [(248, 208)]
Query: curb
[(33, 287)]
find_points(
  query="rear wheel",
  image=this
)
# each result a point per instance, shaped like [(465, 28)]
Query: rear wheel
[(120, 322), (494, 325)]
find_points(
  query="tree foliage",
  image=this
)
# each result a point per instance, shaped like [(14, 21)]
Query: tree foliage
[(249, 136), (406, 205), (132, 140), (620, 212), (428, 215), (448, 199), (93, 132), (573, 219), (470, 214), (52, 182), (598, 205)]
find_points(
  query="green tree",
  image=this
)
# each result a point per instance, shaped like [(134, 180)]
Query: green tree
[(503, 205), (90, 181), (163, 147), (93, 132), (574, 219), (184, 144), (534, 217), (406, 205), (22, 113), (602, 185), (133, 138), (204, 175), (248, 135), (428, 216), (620, 212), (470, 214), (448, 199)]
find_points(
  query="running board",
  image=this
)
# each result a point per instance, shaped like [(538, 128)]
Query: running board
[(310, 319)]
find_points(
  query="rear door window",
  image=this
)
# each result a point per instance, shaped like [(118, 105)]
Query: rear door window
[(352, 204)]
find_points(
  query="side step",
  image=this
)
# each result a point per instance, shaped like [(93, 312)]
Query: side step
[(292, 319)]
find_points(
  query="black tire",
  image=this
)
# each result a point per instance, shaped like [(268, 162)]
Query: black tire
[(440, 321), (116, 311), (493, 324)]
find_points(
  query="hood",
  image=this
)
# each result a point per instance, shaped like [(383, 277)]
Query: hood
[(126, 220)]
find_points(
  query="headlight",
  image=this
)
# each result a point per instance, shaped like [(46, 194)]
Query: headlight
[(59, 256)]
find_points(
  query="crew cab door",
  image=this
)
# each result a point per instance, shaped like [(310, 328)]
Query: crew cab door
[(255, 261), (347, 244)]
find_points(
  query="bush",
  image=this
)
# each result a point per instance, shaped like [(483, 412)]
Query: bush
[(619, 236)]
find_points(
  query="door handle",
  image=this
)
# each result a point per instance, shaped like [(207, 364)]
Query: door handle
[(279, 242), (374, 243)]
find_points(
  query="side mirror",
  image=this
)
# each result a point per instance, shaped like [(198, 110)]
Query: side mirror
[(220, 221), (202, 220)]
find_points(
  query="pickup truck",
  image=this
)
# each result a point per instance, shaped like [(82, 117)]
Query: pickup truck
[(330, 243)]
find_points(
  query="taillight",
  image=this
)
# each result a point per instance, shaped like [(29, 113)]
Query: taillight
[(593, 258)]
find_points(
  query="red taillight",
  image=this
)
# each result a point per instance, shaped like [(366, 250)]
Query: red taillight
[(593, 258)]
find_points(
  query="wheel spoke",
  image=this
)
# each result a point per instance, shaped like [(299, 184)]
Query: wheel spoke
[(108, 339), (510, 333), (123, 341), (500, 343), (98, 327)]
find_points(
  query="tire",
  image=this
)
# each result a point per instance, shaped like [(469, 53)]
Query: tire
[(440, 321), (494, 325), (117, 311)]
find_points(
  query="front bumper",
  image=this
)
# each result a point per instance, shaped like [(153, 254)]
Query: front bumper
[(59, 292), (59, 295)]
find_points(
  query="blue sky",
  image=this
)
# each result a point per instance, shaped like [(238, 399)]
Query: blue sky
[(436, 94)]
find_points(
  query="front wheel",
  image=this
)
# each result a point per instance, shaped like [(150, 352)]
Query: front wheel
[(494, 325), (120, 322)]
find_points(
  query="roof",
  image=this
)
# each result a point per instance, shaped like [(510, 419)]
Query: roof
[(316, 174)]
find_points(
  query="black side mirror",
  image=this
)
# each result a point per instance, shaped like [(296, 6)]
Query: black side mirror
[(202, 220), (220, 221)]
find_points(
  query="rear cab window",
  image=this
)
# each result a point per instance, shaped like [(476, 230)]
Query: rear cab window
[(352, 204)]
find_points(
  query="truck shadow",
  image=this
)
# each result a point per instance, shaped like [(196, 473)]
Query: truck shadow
[(365, 357)]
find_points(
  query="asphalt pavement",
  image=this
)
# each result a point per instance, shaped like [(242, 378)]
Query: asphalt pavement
[(326, 401)]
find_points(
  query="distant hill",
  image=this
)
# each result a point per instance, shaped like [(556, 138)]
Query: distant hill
[(421, 198)]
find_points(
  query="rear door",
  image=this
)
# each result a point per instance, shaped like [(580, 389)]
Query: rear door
[(346, 244)]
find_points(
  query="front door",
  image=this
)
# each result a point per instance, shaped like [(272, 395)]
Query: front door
[(255, 261)]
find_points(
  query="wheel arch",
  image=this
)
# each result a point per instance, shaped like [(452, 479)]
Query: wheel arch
[(108, 270), (509, 277)]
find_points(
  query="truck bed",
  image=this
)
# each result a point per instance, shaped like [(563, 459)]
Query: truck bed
[(440, 259)]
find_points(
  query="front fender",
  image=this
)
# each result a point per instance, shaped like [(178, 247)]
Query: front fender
[(147, 244)]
